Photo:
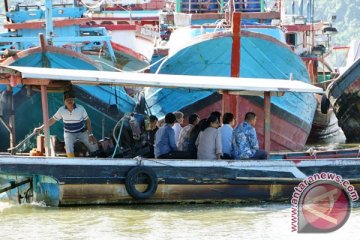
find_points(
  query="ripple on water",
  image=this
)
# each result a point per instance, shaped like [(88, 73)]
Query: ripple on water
[(200, 222)]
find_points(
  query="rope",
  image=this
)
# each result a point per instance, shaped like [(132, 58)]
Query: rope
[(93, 6), (23, 141), (118, 138), (140, 70)]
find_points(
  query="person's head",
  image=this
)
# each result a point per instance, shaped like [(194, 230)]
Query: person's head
[(69, 99), (179, 117), (228, 118), (153, 121), (194, 119), (201, 126), (213, 121), (216, 114), (250, 117), (170, 118)]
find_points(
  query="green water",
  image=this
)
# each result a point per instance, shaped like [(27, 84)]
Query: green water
[(264, 221)]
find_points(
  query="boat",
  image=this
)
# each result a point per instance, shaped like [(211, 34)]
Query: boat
[(261, 56), (21, 49), (133, 35), (84, 30), (59, 181), (343, 94), (190, 51)]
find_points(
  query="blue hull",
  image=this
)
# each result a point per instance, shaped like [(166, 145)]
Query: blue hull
[(262, 56), (98, 100)]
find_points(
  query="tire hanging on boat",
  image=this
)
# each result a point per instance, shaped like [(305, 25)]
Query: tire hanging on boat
[(131, 180)]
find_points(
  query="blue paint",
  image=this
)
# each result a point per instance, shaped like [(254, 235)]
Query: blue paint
[(46, 189), (27, 13)]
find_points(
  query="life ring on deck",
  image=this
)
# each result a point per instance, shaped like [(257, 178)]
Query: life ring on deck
[(140, 175), (325, 104)]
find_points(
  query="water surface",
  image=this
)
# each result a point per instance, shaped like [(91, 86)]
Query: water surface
[(197, 221)]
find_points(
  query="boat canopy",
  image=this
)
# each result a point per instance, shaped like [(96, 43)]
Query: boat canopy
[(241, 86)]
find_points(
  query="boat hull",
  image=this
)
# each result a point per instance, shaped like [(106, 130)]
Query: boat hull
[(261, 57), (343, 94), (62, 181)]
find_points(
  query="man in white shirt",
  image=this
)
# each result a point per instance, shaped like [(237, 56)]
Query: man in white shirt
[(177, 125), (77, 125), (184, 136), (226, 134)]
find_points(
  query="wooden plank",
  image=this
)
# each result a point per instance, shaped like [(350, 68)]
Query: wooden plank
[(267, 128), (36, 81), (41, 24), (44, 103)]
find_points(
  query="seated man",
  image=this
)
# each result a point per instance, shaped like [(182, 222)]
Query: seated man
[(226, 134), (183, 141), (244, 141), (152, 132), (165, 146)]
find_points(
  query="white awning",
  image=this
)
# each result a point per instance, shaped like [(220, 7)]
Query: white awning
[(235, 85)]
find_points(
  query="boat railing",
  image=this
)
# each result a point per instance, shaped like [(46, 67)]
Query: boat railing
[(203, 6), (27, 13)]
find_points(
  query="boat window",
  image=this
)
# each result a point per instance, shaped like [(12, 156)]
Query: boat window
[(291, 39)]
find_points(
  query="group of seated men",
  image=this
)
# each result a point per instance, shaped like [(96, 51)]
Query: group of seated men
[(208, 138)]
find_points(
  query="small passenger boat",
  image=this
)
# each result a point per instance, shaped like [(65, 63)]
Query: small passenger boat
[(60, 181)]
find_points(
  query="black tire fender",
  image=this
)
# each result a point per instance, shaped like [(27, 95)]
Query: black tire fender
[(131, 181), (325, 104)]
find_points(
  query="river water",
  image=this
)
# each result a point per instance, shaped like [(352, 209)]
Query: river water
[(193, 221)]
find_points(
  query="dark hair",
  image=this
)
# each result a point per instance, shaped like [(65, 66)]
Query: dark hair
[(217, 114), (170, 118), (209, 120), (193, 117), (198, 127), (249, 116), (227, 118), (69, 94), (153, 118)]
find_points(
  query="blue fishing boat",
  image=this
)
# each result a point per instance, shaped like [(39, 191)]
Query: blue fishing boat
[(273, 45), (23, 47), (207, 52)]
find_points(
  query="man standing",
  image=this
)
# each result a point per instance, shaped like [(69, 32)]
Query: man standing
[(244, 141), (77, 125)]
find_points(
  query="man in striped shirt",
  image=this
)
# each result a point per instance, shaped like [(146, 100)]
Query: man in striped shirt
[(77, 125)]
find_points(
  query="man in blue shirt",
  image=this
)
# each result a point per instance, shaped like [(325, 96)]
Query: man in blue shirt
[(165, 146), (226, 134), (244, 141)]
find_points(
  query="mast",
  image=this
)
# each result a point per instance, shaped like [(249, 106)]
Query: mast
[(49, 23)]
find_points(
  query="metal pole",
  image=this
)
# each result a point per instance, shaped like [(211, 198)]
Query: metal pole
[(221, 6), (267, 131), (230, 102), (48, 19), (178, 6), (44, 103)]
